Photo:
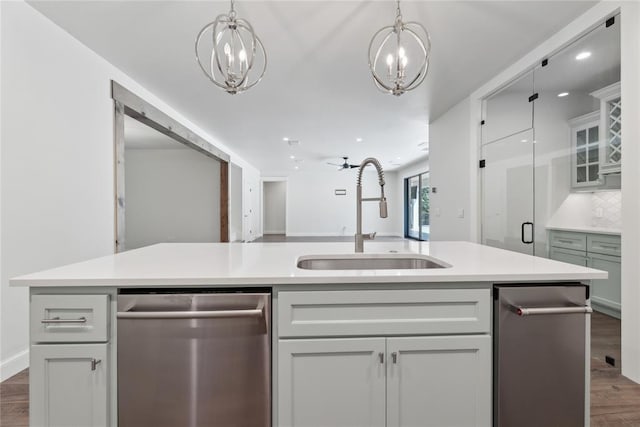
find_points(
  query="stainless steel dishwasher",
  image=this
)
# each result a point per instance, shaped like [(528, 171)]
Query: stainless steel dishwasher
[(194, 359), (539, 355)]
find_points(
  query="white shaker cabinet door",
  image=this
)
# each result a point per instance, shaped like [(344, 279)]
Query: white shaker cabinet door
[(439, 381), (68, 385), (331, 382)]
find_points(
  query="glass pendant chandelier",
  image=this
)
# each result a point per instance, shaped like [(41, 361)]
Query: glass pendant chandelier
[(230, 53), (399, 55)]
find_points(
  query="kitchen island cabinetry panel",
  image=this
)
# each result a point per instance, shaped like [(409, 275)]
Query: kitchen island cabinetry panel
[(439, 381), (429, 363), (332, 382), (69, 385)]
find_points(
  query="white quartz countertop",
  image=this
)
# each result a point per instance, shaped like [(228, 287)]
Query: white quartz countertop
[(246, 264), (586, 229)]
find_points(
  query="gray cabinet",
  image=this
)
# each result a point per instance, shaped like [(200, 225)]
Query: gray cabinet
[(439, 381), (599, 251), (440, 375), (69, 370), (569, 256), (405, 381), (605, 294), (68, 385), (332, 382)]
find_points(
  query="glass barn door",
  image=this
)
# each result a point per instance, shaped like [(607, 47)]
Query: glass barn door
[(507, 193)]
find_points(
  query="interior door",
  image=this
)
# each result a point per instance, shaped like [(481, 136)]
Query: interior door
[(508, 193)]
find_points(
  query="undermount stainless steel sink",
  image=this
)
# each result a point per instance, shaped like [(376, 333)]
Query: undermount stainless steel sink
[(369, 262)]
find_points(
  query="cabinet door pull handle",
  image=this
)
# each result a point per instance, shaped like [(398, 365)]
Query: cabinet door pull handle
[(59, 320), (394, 357), (566, 241), (381, 357), (95, 363)]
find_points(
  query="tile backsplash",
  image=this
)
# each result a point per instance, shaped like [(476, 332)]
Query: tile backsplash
[(606, 209)]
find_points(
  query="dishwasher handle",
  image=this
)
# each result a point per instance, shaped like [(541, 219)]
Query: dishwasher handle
[(257, 312), (524, 311)]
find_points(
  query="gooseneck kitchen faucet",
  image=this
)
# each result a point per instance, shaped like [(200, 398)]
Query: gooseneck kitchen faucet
[(360, 238)]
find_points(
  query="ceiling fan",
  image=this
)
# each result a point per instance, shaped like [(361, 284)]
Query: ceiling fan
[(344, 165)]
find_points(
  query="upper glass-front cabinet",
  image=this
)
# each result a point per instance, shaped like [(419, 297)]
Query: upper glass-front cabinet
[(585, 149), (611, 124)]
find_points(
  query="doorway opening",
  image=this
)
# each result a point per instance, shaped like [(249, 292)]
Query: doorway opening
[(176, 182), (416, 207), (274, 207)]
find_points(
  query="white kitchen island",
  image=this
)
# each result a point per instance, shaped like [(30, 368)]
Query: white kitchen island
[(349, 347)]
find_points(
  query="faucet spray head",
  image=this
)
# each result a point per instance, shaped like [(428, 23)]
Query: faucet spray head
[(383, 207)]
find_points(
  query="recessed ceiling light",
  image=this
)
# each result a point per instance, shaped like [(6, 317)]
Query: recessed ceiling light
[(292, 157), (398, 158), (563, 94), (285, 139), (523, 140), (583, 55), (358, 139), (296, 167)]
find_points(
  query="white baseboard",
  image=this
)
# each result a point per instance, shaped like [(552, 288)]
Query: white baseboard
[(14, 364), (274, 232)]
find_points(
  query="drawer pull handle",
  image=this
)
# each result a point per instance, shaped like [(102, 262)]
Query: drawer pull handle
[(381, 357), (95, 363), (609, 246), (571, 242), (522, 311), (57, 320), (394, 357)]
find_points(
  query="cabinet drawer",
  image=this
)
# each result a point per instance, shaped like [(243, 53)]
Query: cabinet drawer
[(379, 313), (569, 256), (604, 244), (569, 240), (69, 318)]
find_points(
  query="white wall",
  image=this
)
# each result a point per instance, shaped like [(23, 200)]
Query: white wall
[(314, 209), (172, 195), (631, 190), (450, 174), (274, 207), (57, 194), (412, 169)]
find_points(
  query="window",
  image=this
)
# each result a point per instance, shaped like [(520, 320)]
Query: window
[(416, 207)]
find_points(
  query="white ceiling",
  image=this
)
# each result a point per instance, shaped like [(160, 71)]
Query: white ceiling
[(317, 88)]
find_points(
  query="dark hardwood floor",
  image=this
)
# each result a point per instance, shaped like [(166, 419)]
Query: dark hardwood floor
[(14, 401), (615, 400)]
